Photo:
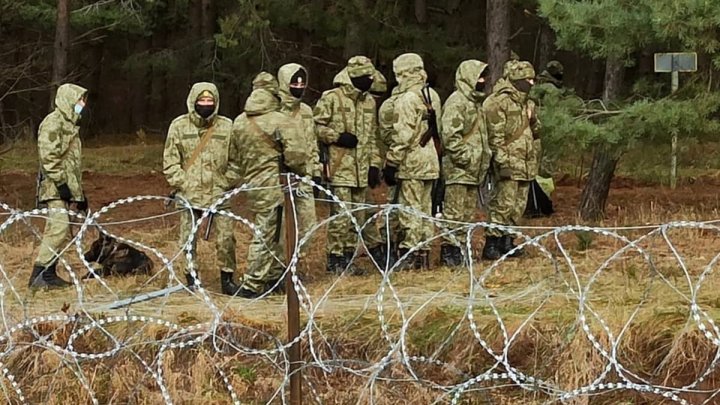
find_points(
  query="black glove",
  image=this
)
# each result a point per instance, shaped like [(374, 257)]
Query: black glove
[(64, 192), (390, 173), (374, 177), (347, 140), (82, 205)]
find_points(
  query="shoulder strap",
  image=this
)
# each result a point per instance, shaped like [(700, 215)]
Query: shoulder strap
[(264, 135), (199, 148)]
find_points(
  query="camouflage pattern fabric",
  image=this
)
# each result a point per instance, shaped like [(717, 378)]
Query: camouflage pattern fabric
[(223, 230), (56, 234), (465, 139), (302, 115), (266, 136), (414, 229), (460, 203), (345, 109), (508, 204), (214, 170), (59, 146)]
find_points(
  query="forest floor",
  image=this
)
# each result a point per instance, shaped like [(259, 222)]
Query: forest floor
[(645, 305)]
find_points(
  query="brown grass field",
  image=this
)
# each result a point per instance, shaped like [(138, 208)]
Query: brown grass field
[(534, 317)]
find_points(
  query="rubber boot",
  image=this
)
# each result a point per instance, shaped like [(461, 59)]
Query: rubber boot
[(378, 255), (276, 287), (335, 263), (227, 285), (46, 277), (508, 245), (491, 250), (190, 282), (244, 292), (349, 264), (450, 256)]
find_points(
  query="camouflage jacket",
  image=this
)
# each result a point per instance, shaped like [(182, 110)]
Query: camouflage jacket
[(510, 132), (386, 122), (212, 173), (266, 137), (302, 113), (345, 109), (60, 148), (409, 124), (464, 130)]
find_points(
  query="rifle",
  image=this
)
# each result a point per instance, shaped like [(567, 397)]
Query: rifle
[(438, 188), (281, 168), (38, 181), (431, 117)]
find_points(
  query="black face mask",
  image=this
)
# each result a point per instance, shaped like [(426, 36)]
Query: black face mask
[(204, 110), (362, 83), (522, 85), (297, 92), (480, 87), (558, 76)]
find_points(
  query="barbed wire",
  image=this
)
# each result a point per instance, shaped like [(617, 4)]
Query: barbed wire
[(478, 323)]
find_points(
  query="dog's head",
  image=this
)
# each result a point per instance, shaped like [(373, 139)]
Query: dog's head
[(100, 249)]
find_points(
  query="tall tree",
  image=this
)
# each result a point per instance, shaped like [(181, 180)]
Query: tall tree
[(498, 36), (61, 47)]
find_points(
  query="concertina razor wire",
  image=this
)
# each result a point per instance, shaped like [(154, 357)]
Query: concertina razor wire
[(397, 312)]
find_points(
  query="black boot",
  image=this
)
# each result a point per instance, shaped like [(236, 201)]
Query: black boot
[(276, 287), (422, 260), (191, 282), (382, 257), (247, 293), (46, 277), (508, 245), (450, 256), (491, 250), (335, 263), (227, 284), (349, 265), (406, 262)]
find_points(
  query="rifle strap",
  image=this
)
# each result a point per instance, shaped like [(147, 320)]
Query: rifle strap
[(335, 163), (264, 135), (199, 148)]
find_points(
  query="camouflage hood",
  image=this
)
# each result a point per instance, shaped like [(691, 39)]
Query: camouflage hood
[(285, 74), (265, 80), (409, 71), (261, 101), (65, 99), (195, 91), (466, 76), (342, 80)]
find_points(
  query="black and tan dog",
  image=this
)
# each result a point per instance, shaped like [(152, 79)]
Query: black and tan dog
[(116, 258)]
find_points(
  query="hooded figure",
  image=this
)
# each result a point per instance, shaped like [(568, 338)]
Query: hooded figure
[(510, 116), (60, 180), (292, 79), (467, 153), (200, 165), (271, 144), (408, 164), (346, 121)]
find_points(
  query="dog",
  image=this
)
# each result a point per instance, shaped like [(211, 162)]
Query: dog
[(116, 258)]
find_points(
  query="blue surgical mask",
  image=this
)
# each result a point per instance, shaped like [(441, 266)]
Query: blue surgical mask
[(78, 109)]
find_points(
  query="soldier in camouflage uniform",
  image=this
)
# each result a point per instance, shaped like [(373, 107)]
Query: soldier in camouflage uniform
[(198, 164), (272, 143), (553, 74), (292, 79), (467, 153), (60, 155), (412, 167), (346, 120), (511, 122)]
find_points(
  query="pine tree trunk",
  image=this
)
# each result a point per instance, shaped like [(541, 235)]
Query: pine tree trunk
[(596, 191), (60, 48), (546, 47), (498, 36), (208, 30)]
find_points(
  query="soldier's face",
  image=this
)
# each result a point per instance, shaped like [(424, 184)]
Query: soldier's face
[(206, 101)]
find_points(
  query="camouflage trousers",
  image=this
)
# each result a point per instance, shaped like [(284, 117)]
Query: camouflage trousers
[(56, 235), (266, 253), (306, 217), (223, 228), (459, 205), (342, 235), (415, 194), (508, 204)]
